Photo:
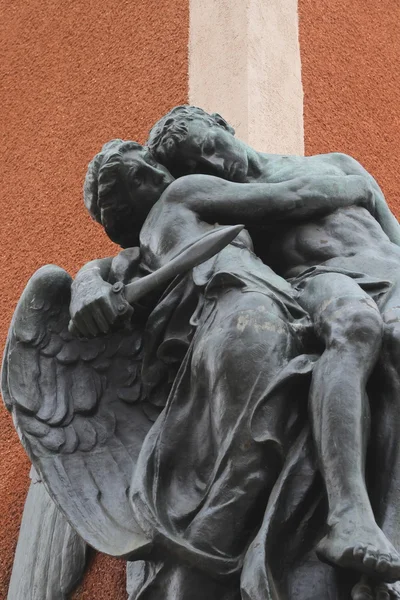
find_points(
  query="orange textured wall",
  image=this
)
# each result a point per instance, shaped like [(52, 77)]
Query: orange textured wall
[(73, 75), (350, 52)]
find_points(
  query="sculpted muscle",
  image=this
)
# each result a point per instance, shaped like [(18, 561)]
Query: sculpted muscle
[(352, 296), (340, 234)]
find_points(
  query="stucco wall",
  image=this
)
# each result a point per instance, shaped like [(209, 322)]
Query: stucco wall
[(350, 52), (73, 75)]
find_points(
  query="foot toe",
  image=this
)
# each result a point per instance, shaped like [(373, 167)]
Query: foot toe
[(359, 551), (370, 558), (394, 568), (384, 561)]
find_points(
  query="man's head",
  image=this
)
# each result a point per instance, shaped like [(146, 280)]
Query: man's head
[(122, 183), (190, 140)]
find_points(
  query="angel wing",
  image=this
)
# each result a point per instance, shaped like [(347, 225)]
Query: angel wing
[(77, 408), (50, 558)]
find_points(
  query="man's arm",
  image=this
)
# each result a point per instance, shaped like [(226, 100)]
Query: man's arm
[(263, 204), (383, 214)]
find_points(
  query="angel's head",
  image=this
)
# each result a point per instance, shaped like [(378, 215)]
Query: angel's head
[(123, 182)]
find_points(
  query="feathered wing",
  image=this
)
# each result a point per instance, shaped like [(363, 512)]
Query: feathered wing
[(77, 409), (50, 558)]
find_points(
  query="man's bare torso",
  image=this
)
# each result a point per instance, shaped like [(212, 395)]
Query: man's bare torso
[(349, 238)]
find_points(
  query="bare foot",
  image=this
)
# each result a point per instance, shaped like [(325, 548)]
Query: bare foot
[(359, 546)]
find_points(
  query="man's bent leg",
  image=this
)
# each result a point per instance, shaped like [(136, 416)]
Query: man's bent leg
[(383, 466), (348, 323), (384, 458)]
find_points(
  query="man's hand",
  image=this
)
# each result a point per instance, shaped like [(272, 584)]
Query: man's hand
[(96, 305)]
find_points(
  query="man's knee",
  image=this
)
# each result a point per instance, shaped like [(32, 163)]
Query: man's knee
[(352, 322)]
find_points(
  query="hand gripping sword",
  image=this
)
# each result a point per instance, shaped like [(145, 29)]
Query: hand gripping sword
[(192, 255)]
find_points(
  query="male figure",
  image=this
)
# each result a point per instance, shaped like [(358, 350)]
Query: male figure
[(203, 478), (339, 262)]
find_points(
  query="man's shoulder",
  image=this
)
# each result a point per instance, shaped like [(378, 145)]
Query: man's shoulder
[(338, 158)]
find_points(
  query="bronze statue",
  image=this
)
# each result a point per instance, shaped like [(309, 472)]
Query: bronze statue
[(169, 418), (344, 266)]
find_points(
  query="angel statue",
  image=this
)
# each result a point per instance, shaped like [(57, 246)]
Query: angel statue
[(162, 396), (179, 374)]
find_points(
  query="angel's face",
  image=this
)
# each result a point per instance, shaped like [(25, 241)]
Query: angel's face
[(147, 179)]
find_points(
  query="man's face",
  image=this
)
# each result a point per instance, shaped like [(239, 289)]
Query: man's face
[(211, 149)]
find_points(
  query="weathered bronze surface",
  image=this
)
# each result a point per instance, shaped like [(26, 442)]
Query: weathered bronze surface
[(219, 403)]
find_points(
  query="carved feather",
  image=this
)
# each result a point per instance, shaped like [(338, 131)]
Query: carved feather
[(77, 408)]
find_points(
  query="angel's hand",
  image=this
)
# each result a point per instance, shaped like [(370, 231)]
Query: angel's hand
[(95, 306)]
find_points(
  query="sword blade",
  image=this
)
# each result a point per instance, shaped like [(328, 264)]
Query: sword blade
[(201, 250)]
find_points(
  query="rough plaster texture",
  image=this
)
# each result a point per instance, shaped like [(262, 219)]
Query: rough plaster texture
[(218, 45), (350, 52), (73, 75), (244, 62)]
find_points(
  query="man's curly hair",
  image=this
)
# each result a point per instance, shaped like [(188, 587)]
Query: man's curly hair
[(172, 129), (107, 195)]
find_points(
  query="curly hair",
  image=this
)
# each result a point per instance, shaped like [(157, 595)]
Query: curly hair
[(107, 195), (172, 129)]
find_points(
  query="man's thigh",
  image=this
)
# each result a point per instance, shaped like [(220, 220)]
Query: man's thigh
[(332, 296)]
